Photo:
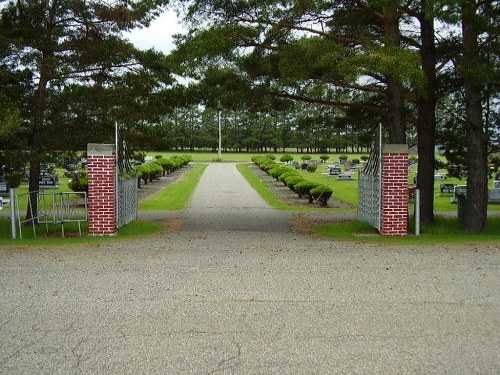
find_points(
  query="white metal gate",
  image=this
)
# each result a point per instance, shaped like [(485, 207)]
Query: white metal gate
[(370, 185), (127, 201)]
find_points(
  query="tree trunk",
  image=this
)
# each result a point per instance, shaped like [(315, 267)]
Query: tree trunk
[(477, 177), (426, 121), (36, 146), (396, 125)]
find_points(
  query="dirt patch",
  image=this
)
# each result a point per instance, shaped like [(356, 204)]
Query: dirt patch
[(173, 225), (285, 196)]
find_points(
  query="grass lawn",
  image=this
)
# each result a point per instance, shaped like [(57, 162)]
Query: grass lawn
[(444, 230), (54, 239), (244, 156), (176, 195), (264, 192)]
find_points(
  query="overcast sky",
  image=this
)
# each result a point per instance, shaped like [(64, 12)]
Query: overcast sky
[(159, 34)]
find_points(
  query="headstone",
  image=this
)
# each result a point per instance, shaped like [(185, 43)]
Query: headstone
[(47, 181), (494, 195), (459, 190), (447, 188), (344, 176), (335, 171), (440, 176), (4, 188), (496, 184)]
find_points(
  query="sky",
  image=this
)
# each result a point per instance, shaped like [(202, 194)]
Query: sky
[(159, 34)]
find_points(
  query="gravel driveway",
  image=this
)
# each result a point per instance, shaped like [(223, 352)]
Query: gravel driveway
[(235, 291)]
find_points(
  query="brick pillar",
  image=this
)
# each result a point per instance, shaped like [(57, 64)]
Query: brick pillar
[(394, 205), (101, 164)]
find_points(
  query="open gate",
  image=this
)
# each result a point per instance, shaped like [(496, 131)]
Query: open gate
[(370, 185), (126, 187)]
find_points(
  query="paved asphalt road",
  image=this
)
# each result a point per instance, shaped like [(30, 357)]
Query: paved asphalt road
[(234, 291)]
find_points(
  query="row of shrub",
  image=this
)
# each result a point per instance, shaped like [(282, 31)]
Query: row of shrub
[(294, 180), (146, 172), (155, 169)]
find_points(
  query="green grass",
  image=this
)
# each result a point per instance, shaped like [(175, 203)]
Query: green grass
[(176, 195), (54, 239), (345, 190), (444, 230), (261, 188)]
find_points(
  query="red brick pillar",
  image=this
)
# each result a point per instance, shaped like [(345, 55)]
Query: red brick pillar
[(394, 205), (101, 164)]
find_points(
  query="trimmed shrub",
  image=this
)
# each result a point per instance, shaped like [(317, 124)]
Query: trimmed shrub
[(149, 171), (270, 156), (158, 157), (311, 168), (278, 170), (293, 180), (303, 189), (267, 165), (292, 172), (286, 158), (321, 193), (324, 158), (306, 157), (259, 159)]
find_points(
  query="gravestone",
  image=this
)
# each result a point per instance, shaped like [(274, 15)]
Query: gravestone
[(344, 176), (447, 188), (4, 188), (47, 179), (496, 184), (335, 171), (494, 195), (459, 190)]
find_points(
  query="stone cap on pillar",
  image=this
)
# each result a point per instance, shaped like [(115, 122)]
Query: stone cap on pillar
[(100, 149), (394, 148)]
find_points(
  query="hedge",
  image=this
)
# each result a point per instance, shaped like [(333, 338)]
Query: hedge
[(304, 188), (278, 170), (292, 172), (292, 180), (322, 194)]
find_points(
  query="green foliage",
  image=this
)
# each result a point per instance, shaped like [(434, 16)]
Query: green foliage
[(324, 157), (311, 168), (322, 194), (79, 182), (278, 170), (284, 176), (271, 156), (293, 180), (267, 165), (304, 188), (306, 157), (149, 171), (286, 158)]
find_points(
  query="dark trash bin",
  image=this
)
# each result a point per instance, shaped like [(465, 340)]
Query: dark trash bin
[(461, 207)]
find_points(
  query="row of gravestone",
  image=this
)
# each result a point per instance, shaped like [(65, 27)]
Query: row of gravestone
[(47, 180), (461, 190)]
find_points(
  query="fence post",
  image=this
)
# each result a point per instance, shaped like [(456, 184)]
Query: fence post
[(394, 197), (12, 214), (101, 164)]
